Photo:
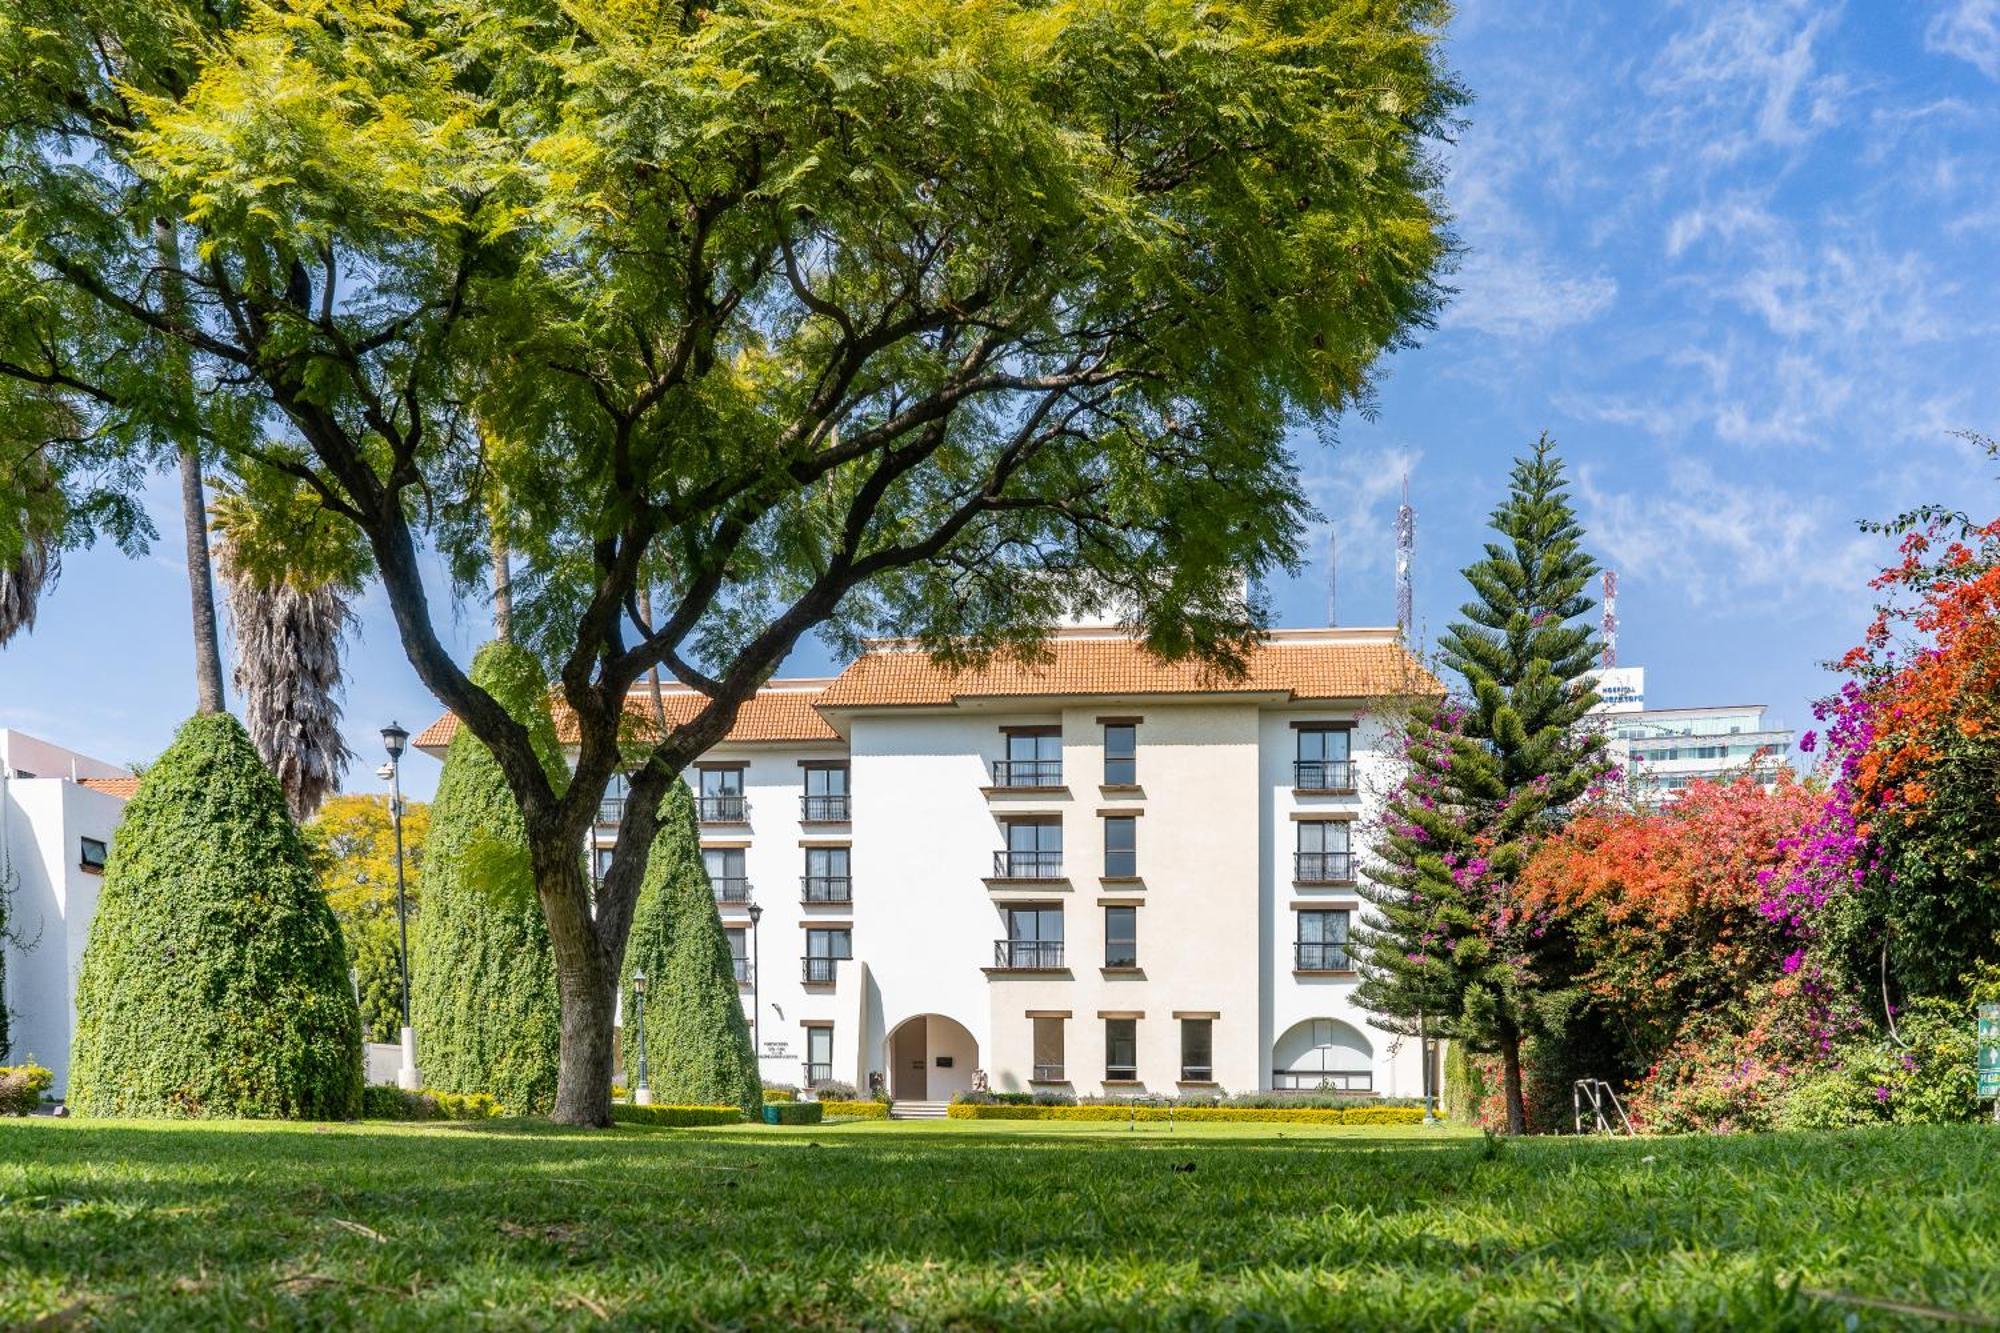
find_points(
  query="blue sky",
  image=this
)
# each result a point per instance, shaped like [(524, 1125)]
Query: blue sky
[(1740, 259)]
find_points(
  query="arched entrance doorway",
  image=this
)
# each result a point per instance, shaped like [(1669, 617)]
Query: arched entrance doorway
[(931, 1059), (1323, 1055)]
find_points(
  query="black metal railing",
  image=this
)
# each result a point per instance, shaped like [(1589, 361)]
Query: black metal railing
[(1121, 1073), (827, 888), (1027, 772), (611, 810), (1049, 1074), (722, 809), (742, 970), (1319, 1080), (730, 888), (824, 809), (815, 971), (1042, 954), (817, 1074), (1027, 865), (1323, 957), (1323, 775), (1322, 867)]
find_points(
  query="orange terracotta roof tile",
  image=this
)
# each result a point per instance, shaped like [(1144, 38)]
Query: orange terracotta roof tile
[(784, 713), (123, 788), (1300, 666)]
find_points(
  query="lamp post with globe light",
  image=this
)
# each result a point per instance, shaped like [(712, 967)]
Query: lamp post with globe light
[(394, 739), (642, 1091)]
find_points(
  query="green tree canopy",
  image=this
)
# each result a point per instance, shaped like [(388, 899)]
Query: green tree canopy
[(922, 317), (482, 978), (1453, 947), (214, 982)]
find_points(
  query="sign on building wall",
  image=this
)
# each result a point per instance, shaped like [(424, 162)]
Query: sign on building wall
[(777, 1050)]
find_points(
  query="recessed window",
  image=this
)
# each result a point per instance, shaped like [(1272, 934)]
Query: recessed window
[(601, 861), (1121, 754), (1322, 943), (1121, 1050), (726, 874), (1034, 938), (819, 1055), (1034, 758), (825, 799), (826, 878), (1197, 1050), (1324, 856), (1034, 850), (825, 947), (721, 799), (1121, 937), (1121, 846), (93, 854), (1049, 1050), (739, 950), (1324, 761)]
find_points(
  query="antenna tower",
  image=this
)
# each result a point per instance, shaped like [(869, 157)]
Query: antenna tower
[(1609, 629)]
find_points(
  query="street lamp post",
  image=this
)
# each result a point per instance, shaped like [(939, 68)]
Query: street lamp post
[(642, 1091), (394, 738), (756, 1006)]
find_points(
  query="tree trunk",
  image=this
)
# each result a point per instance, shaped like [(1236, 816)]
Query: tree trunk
[(1510, 1082), (503, 583), (194, 504), (586, 984)]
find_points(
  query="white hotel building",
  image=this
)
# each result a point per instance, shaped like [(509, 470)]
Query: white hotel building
[(1100, 874)]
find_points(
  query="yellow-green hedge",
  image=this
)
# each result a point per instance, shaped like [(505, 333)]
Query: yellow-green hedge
[(1306, 1115), (864, 1110), (678, 1117)]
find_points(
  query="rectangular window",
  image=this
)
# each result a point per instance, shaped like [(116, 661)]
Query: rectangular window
[(1121, 937), (1121, 846), (1121, 754), (819, 1055), (1197, 1050), (1048, 1050), (825, 799), (1034, 938), (612, 808), (1324, 762), (825, 947), (1034, 758), (1324, 856), (1322, 943), (725, 874), (1034, 850), (1121, 1050), (739, 951), (826, 878), (601, 861), (92, 854), (721, 795)]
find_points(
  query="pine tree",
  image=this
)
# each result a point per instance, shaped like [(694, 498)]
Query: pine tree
[(697, 1040), (1450, 948), (483, 979), (214, 982)]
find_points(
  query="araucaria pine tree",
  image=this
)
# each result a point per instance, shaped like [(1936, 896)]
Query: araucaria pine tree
[(697, 1041), (483, 979), (1451, 948), (214, 982)]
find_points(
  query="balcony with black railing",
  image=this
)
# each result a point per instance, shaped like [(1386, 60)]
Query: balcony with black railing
[(1028, 774), (1335, 775), (611, 810), (816, 1074), (817, 971), (1028, 955), (730, 888), (824, 809), (1323, 867), (826, 888), (1027, 865), (712, 809), (1322, 957)]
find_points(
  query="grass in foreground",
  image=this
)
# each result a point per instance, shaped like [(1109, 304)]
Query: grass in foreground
[(990, 1225)]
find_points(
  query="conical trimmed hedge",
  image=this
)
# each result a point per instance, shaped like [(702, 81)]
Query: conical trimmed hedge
[(697, 1040), (214, 982), (483, 994)]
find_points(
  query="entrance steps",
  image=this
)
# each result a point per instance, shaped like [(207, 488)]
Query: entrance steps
[(917, 1110)]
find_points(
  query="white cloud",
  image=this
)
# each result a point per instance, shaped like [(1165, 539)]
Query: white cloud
[(1744, 75), (1969, 30), (1357, 490), (1525, 295)]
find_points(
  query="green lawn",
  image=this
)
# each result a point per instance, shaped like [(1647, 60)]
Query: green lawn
[(991, 1225)]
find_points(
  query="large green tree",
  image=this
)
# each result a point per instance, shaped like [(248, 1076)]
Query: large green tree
[(907, 316), (1454, 946), (214, 982), (482, 975)]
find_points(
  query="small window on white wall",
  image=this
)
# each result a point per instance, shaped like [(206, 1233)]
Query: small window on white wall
[(93, 854)]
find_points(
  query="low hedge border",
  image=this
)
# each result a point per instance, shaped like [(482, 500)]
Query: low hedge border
[(858, 1110), (1294, 1115), (794, 1113), (676, 1117), (379, 1101)]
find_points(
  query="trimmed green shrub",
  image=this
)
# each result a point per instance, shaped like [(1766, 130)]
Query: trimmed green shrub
[(214, 982), (697, 1040), (1303, 1115), (677, 1117), (482, 975), (869, 1110), (778, 1092), (794, 1113), (22, 1086), (382, 1102)]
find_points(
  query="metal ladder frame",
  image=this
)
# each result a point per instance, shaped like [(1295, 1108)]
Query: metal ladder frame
[(1595, 1090)]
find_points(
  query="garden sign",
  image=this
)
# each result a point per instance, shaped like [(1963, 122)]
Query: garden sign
[(1989, 1050)]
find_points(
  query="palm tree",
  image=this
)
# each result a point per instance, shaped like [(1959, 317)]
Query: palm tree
[(24, 580), (194, 509)]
